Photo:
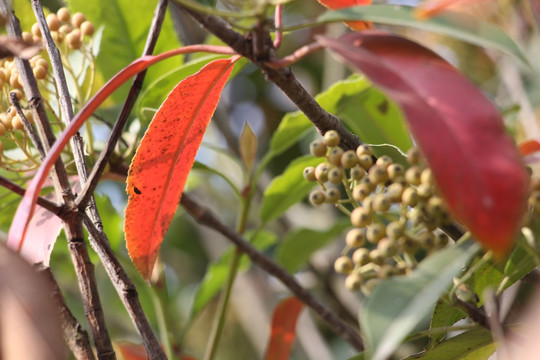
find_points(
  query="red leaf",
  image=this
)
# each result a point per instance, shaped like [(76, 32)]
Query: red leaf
[(435, 7), (340, 4), (476, 165), (21, 220), (529, 147), (159, 170), (283, 329)]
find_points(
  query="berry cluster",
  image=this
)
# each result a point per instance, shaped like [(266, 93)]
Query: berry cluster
[(69, 33), (395, 211)]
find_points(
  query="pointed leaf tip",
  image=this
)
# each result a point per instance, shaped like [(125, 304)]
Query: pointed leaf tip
[(159, 170), (476, 165), (283, 331)]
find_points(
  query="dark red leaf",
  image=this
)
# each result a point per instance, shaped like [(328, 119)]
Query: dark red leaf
[(283, 329), (159, 170), (476, 165)]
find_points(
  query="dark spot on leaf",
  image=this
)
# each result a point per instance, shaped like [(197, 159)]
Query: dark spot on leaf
[(137, 191), (383, 107)]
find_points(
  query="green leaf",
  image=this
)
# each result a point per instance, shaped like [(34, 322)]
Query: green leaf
[(287, 189), (443, 315), (399, 304), (203, 168), (126, 28), (488, 276), (154, 94), (298, 246), (520, 263), (476, 344), (112, 221), (459, 26), (216, 274)]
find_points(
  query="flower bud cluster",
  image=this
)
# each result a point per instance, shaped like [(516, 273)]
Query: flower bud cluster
[(394, 210)]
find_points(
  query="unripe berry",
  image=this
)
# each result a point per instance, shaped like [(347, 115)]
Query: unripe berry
[(410, 197), (424, 191), (353, 282), (377, 174), (53, 22), (36, 31), (413, 156), (361, 191), (343, 265), (12, 111), (355, 238), (361, 257), (427, 177), (415, 216), (387, 247), (316, 197), (39, 72), (357, 173), (395, 172), (384, 161), (365, 161), (17, 123), (375, 232), (349, 159), (364, 150), (360, 217), (309, 174), (87, 28), (394, 192), (321, 172), (380, 203), (14, 80), (65, 29), (331, 138), (78, 19), (26, 36), (3, 129), (395, 230), (42, 62), (335, 175), (331, 195), (63, 14), (73, 39), (334, 156), (407, 244), (435, 207), (317, 148), (412, 175), (376, 257)]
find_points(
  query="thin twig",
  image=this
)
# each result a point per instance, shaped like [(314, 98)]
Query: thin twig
[(74, 335), (295, 56), (278, 23), (53, 207), (28, 127), (205, 217)]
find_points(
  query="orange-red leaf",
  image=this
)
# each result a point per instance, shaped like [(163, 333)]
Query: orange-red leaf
[(435, 7), (529, 147), (159, 170), (283, 329), (476, 165), (340, 4)]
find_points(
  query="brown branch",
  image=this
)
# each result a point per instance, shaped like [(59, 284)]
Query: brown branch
[(27, 126), (19, 190), (283, 78), (205, 217), (74, 335)]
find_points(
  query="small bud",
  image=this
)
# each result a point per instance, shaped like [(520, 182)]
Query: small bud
[(63, 14), (361, 191), (376, 257), (410, 197), (78, 19), (394, 192), (365, 161), (380, 203), (36, 30), (87, 28), (395, 230), (387, 247), (53, 22), (395, 171)]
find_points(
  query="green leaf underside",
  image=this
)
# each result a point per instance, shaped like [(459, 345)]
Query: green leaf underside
[(216, 274), (459, 26), (474, 344), (443, 315), (296, 248), (287, 189), (399, 304)]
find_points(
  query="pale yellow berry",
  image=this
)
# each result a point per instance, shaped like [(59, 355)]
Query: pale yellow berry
[(353, 282), (334, 157), (360, 217), (321, 172), (331, 138), (39, 72), (331, 195), (317, 148), (53, 22), (17, 123), (3, 129), (36, 32), (63, 14), (355, 238), (364, 150), (26, 36), (375, 232), (73, 39), (361, 256), (77, 19), (87, 28), (343, 265)]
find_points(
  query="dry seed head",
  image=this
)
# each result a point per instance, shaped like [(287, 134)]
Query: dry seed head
[(361, 257), (63, 14), (53, 22), (343, 265), (365, 161), (377, 174), (380, 203), (375, 232), (412, 175), (335, 175), (309, 174), (355, 238), (360, 217), (334, 156), (321, 172), (331, 195), (364, 150), (357, 173), (349, 159), (384, 161), (78, 19), (317, 148), (316, 197), (413, 156), (353, 282), (331, 138)]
